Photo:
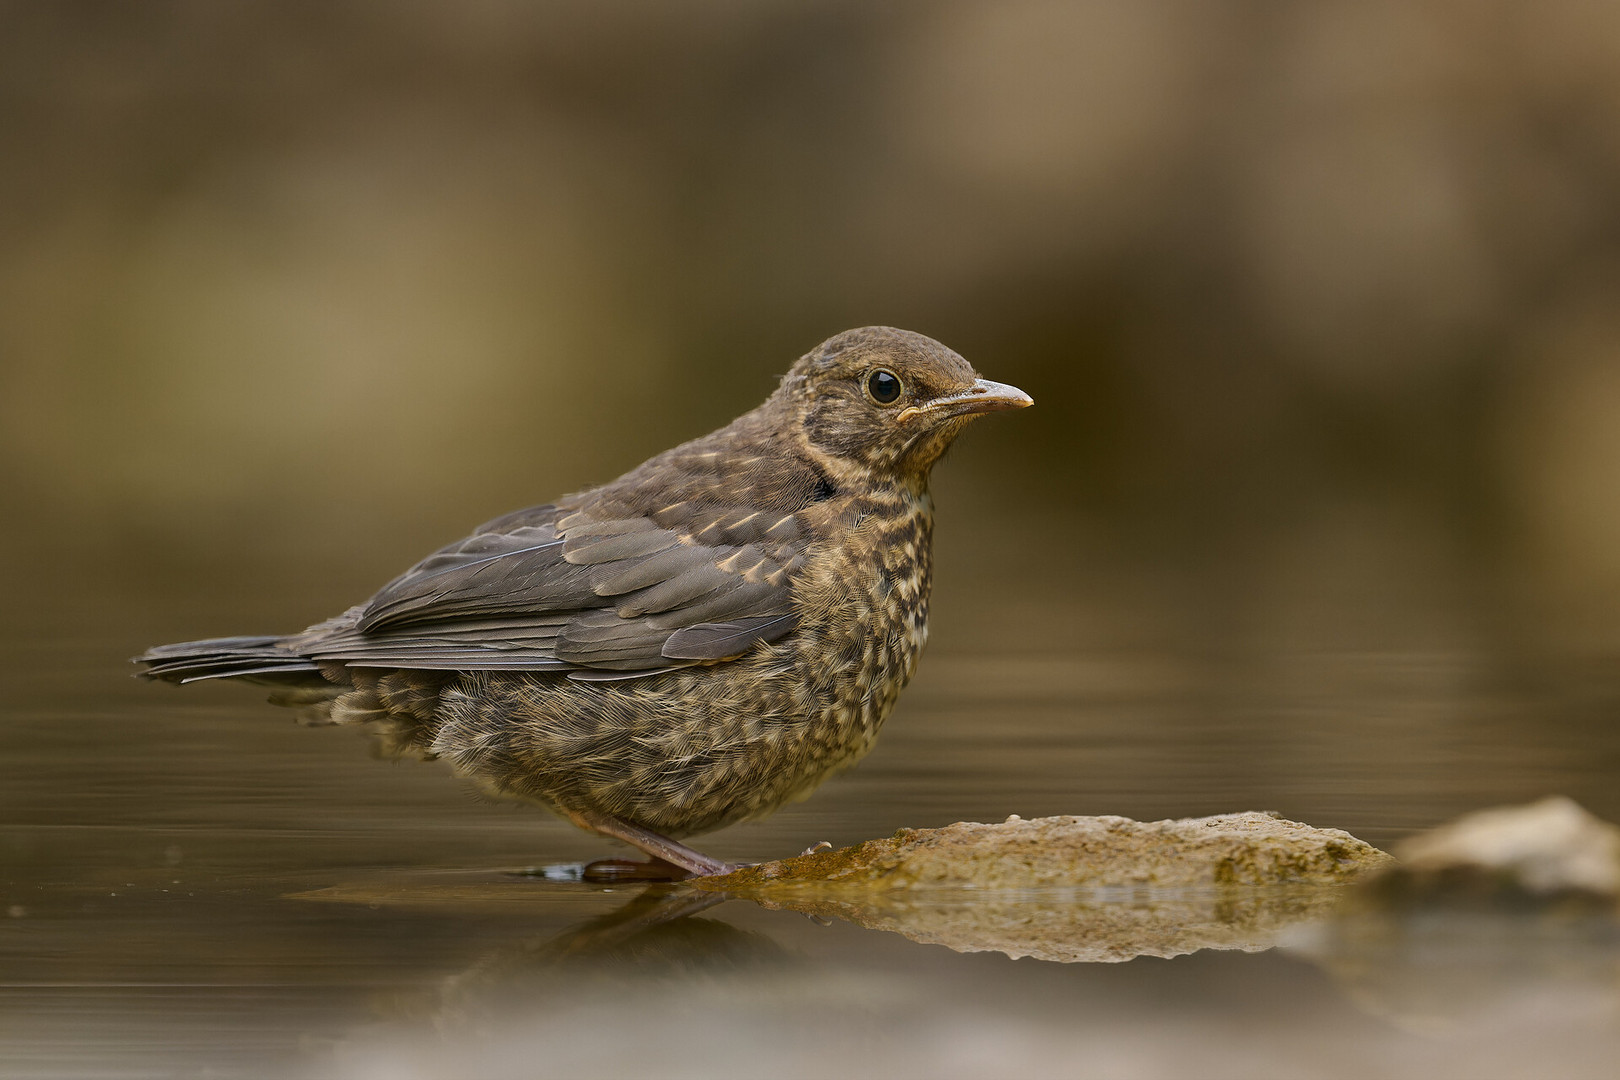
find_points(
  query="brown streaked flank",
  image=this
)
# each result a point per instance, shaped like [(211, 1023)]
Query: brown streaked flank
[(696, 643)]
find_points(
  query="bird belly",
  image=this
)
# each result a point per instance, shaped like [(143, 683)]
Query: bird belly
[(695, 750)]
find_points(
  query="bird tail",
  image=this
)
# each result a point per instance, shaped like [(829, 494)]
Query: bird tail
[(258, 659)]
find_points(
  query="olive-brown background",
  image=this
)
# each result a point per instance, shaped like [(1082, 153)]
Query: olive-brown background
[(1318, 303), (341, 276), (1318, 509)]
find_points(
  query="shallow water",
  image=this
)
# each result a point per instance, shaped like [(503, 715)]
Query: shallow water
[(196, 886)]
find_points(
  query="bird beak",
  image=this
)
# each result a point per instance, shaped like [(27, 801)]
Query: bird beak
[(982, 397)]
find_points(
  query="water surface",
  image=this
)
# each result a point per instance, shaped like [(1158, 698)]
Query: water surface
[(197, 886)]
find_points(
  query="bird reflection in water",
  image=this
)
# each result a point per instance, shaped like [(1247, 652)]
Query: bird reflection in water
[(657, 935)]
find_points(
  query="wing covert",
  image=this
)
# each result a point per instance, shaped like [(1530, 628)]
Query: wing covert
[(579, 590)]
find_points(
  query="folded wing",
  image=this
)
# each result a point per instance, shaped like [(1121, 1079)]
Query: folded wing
[(581, 591)]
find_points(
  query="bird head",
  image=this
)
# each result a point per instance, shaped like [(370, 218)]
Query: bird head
[(885, 403)]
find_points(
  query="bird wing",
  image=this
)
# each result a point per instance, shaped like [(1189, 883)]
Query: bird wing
[(588, 589)]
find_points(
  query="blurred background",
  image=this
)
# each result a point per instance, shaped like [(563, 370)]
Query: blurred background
[(1318, 304), (1318, 510)]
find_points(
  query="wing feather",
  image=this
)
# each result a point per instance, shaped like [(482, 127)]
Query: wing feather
[(680, 589), (632, 545), (725, 640), (653, 573), (744, 598), (616, 579)]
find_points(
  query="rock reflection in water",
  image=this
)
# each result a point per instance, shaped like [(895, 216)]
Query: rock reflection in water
[(1084, 926), (1073, 889), (1504, 916), (1474, 962), (1480, 979)]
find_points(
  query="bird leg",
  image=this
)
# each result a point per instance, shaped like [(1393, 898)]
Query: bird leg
[(660, 847)]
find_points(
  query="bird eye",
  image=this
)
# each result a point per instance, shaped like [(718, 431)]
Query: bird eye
[(883, 386)]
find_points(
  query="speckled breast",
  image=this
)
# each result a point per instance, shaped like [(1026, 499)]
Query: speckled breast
[(863, 624), (702, 748)]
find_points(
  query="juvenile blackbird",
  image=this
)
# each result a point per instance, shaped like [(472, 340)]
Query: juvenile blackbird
[(694, 644)]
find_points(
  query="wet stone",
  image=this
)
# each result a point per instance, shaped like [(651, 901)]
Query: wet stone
[(1511, 911), (1074, 889), (1547, 849), (1250, 849)]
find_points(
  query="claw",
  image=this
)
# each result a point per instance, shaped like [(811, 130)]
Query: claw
[(661, 848), (822, 845)]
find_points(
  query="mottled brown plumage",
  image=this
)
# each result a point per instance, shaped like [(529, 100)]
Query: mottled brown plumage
[(692, 645)]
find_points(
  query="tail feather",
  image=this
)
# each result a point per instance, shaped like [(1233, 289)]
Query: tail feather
[(262, 659)]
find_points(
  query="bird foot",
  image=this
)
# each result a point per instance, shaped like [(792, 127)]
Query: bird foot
[(820, 845), (615, 871), (656, 845)]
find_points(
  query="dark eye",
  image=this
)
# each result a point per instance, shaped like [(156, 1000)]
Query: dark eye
[(883, 386)]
